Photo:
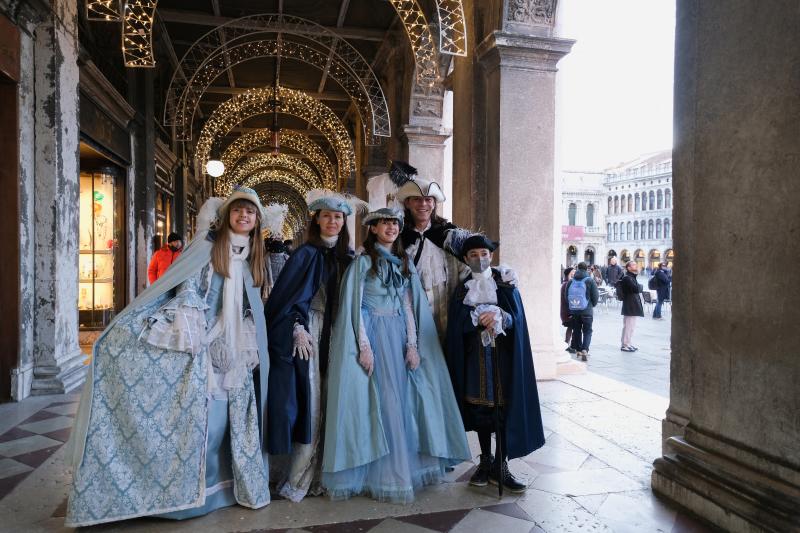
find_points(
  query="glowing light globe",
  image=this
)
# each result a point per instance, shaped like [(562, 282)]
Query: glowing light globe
[(215, 168)]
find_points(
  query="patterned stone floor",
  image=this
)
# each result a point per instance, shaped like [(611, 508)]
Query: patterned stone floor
[(592, 475)]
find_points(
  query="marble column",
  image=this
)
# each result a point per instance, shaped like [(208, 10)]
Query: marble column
[(426, 148), (58, 359), (732, 429), (520, 178)]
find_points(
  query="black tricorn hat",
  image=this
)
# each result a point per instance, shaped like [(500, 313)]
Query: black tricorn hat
[(478, 241)]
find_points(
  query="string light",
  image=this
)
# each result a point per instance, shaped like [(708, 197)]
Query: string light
[(452, 28), (289, 139), (280, 193), (419, 35), (230, 56), (103, 10), (246, 28), (279, 176), (255, 101), (251, 165), (137, 33)]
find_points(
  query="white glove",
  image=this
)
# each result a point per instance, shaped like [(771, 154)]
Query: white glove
[(366, 359), (302, 343), (412, 356)]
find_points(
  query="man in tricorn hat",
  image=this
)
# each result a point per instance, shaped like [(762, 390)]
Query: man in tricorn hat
[(486, 323)]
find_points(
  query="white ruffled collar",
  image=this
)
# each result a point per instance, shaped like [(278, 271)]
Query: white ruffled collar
[(329, 242), (481, 289)]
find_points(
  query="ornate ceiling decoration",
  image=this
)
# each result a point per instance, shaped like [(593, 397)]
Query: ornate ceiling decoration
[(306, 177), (137, 33), (257, 102), (103, 10), (230, 56), (452, 27), (288, 139), (421, 40), (243, 29)]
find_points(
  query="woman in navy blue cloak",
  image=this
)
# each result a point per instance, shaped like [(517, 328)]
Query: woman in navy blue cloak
[(299, 312), (486, 305)]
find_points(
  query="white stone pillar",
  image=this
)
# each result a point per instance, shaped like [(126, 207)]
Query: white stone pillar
[(426, 149), (522, 203), (58, 359)]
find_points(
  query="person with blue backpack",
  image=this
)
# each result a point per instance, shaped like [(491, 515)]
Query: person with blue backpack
[(582, 296)]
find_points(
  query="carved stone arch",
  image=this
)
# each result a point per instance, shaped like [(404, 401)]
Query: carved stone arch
[(296, 103), (244, 28), (289, 139), (319, 57)]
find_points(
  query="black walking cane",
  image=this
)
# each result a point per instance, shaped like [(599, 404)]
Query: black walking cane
[(497, 428)]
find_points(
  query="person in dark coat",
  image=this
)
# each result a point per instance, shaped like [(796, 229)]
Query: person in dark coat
[(631, 291), (300, 312), (486, 308), (663, 281), (566, 316), (614, 272), (582, 310)]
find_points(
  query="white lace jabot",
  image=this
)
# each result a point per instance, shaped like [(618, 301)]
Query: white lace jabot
[(481, 289)]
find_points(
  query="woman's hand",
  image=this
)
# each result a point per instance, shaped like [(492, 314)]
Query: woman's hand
[(412, 357), (302, 343), (487, 320), (366, 359)]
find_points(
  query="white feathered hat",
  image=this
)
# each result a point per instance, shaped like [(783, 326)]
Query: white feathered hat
[(409, 184), (210, 214), (275, 215)]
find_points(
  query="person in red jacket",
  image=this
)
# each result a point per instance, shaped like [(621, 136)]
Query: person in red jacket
[(164, 257)]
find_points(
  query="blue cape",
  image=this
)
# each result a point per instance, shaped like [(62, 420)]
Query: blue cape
[(523, 431), (354, 434), (288, 409)]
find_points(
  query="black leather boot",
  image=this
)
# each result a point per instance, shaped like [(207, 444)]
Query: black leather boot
[(499, 471), (481, 476)]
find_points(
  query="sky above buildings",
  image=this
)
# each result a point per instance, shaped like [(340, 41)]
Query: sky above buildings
[(614, 90)]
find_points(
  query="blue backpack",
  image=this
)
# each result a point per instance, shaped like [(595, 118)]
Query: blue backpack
[(576, 294)]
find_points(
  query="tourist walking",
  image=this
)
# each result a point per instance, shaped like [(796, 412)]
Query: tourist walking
[(663, 282), (169, 417), (164, 257), (566, 316), (582, 297), (630, 290), (392, 420), (300, 312), (487, 327)]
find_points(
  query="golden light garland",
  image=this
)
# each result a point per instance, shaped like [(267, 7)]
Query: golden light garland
[(245, 28), (280, 193), (452, 27), (278, 176), (253, 164), (288, 139), (222, 60), (137, 33), (419, 35), (296, 103), (103, 10)]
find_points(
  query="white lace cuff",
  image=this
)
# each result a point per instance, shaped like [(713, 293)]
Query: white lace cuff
[(179, 325)]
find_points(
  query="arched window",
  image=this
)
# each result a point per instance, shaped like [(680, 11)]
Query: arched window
[(668, 199), (644, 201), (615, 232), (590, 215), (622, 231), (650, 228), (660, 199), (658, 228), (652, 201), (666, 228), (622, 204), (630, 203), (636, 200), (610, 205), (616, 204), (630, 228), (608, 231), (572, 213), (636, 230)]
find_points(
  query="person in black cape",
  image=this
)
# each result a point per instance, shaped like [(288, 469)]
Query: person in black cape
[(485, 306)]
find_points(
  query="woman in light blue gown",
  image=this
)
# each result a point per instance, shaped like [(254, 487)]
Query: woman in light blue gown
[(392, 420)]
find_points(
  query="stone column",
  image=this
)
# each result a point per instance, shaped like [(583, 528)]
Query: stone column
[(521, 189), (426, 146), (731, 433), (58, 359)]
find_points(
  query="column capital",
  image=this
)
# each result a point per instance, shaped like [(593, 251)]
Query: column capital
[(522, 52), (426, 135)]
